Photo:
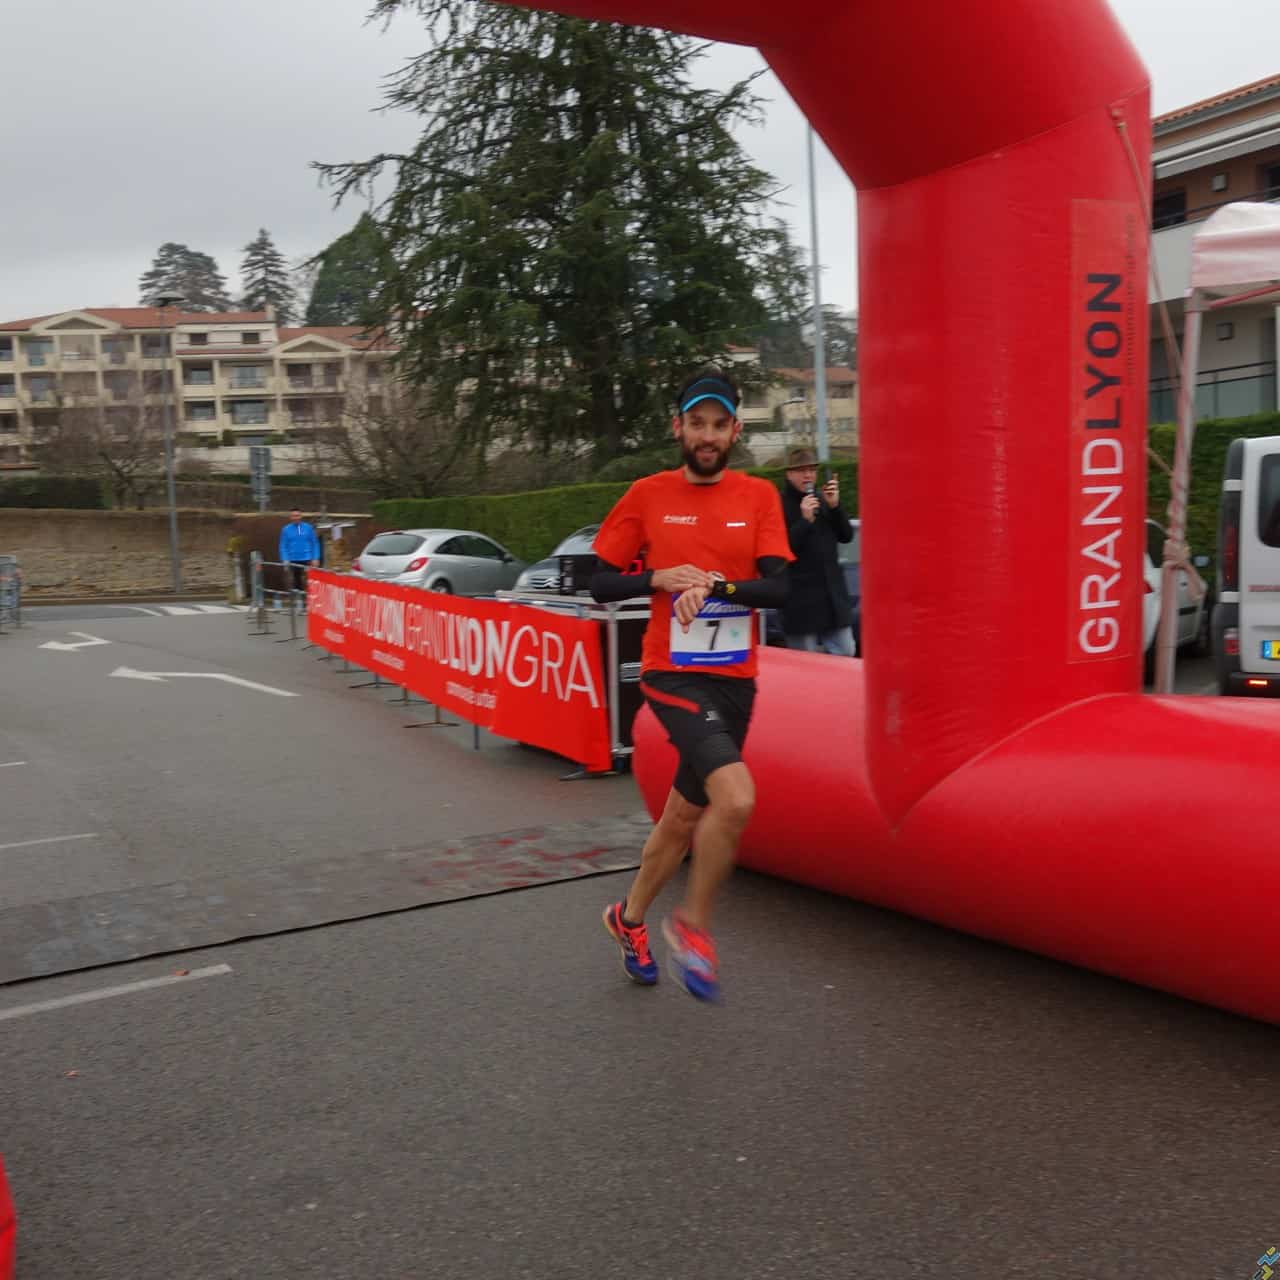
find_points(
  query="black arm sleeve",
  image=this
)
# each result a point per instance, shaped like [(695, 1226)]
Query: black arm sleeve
[(609, 583), (768, 591), (841, 523)]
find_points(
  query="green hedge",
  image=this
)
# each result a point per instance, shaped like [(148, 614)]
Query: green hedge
[(531, 524), (1208, 454), (76, 492)]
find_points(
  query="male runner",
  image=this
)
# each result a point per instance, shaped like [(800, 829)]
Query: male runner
[(717, 548)]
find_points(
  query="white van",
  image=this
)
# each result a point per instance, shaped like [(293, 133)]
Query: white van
[(1246, 619)]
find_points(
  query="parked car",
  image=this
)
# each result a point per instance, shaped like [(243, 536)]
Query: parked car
[(1193, 615), (545, 574), (849, 554), (456, 561), (1246, 619)]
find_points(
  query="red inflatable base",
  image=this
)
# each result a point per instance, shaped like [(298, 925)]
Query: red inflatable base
[(8, 1230), (1159, 876)]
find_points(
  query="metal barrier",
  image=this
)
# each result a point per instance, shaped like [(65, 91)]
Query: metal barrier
[(264, 600), (10, 592)]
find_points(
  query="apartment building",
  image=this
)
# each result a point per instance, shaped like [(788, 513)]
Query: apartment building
[(785, 413), (231, 379), (1205, 155)]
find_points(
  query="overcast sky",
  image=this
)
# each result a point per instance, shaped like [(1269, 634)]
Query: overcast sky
[(126, 125)]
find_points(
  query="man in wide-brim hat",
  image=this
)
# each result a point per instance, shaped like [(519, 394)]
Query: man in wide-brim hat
[(818, 614)]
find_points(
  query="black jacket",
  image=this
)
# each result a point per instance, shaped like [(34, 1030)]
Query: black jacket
[(819, 599)]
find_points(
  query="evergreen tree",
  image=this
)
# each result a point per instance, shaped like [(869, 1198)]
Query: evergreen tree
[(265, 276), (348, 277), (193, 275), (575, 227)]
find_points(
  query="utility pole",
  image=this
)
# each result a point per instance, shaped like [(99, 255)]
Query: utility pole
[(819, 339), (166, 395)]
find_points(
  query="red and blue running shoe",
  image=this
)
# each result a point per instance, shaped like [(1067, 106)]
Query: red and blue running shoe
[(633, 939), (693, 958)]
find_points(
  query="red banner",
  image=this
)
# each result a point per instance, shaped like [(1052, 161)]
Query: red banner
[(521, 672)]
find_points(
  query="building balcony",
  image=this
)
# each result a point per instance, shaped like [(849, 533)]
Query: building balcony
[(1236, 392), (313, 384)]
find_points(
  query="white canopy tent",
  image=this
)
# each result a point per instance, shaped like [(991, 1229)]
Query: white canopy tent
[(1235, 257)]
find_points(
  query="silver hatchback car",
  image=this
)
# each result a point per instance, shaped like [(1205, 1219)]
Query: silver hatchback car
[(460, 562)]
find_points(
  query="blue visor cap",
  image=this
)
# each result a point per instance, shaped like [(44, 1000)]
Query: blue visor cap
[(711, 389)]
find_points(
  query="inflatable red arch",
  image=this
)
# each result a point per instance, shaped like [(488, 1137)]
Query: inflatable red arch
[(992, 765)]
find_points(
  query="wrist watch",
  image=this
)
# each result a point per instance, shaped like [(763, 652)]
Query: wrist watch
[(720, 588)]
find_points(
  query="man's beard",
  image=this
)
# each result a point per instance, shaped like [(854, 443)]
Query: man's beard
[(704, 469)]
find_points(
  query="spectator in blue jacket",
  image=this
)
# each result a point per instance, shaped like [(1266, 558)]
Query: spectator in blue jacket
[(299, 549)]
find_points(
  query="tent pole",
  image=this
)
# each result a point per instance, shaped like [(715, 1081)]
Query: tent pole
[(1167, 634)]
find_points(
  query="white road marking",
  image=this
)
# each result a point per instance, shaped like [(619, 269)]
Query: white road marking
[(26, 844), (12, 764), (216, 608), (128, 673), (86, 642), (137, 608), (105, 993), (178, 610)]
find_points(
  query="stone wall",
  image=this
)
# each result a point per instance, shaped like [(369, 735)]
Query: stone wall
[(99, 553)]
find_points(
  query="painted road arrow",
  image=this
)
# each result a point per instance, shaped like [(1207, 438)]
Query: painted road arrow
[(128, 673), (86, 642)]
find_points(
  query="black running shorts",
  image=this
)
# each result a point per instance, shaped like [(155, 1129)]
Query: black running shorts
[(706, 717)]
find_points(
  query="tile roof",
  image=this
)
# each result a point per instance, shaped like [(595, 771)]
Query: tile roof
[(1218, 100), (350, 335), (148, 317), (833, 374)]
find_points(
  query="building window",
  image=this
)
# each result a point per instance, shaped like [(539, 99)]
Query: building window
[(198, 375), (299, 374), (39, 351), (6, 348), (1270, 189), (8, 423), (1169, 209), (1226, 330), (156, 382), (301, 412), (10, 453), (77, 348), (117, 350), (8, 388), (197, 339), (44, 422), (373, 375), (40, 388), (118, 386), (247, 375), (250, 339), (248, 413), (155, 345), (201, 411)]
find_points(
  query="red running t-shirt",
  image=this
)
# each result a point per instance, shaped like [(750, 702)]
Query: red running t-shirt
[(723, 527)]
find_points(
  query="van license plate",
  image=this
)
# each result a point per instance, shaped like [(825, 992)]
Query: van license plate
[(1271, 649)]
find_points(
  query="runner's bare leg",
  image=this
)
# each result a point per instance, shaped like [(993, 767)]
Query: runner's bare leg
[(732, 793), (664, 850)]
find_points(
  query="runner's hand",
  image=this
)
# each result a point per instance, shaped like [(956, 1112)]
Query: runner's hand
[(682, 578), (688, 603)]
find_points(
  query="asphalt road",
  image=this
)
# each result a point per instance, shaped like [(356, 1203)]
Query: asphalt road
[(472, 1089)]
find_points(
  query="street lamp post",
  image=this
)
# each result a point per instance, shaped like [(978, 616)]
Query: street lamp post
[(819, 340), (175, 560)]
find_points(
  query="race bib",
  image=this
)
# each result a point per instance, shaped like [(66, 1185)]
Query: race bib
[(719, 636)]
